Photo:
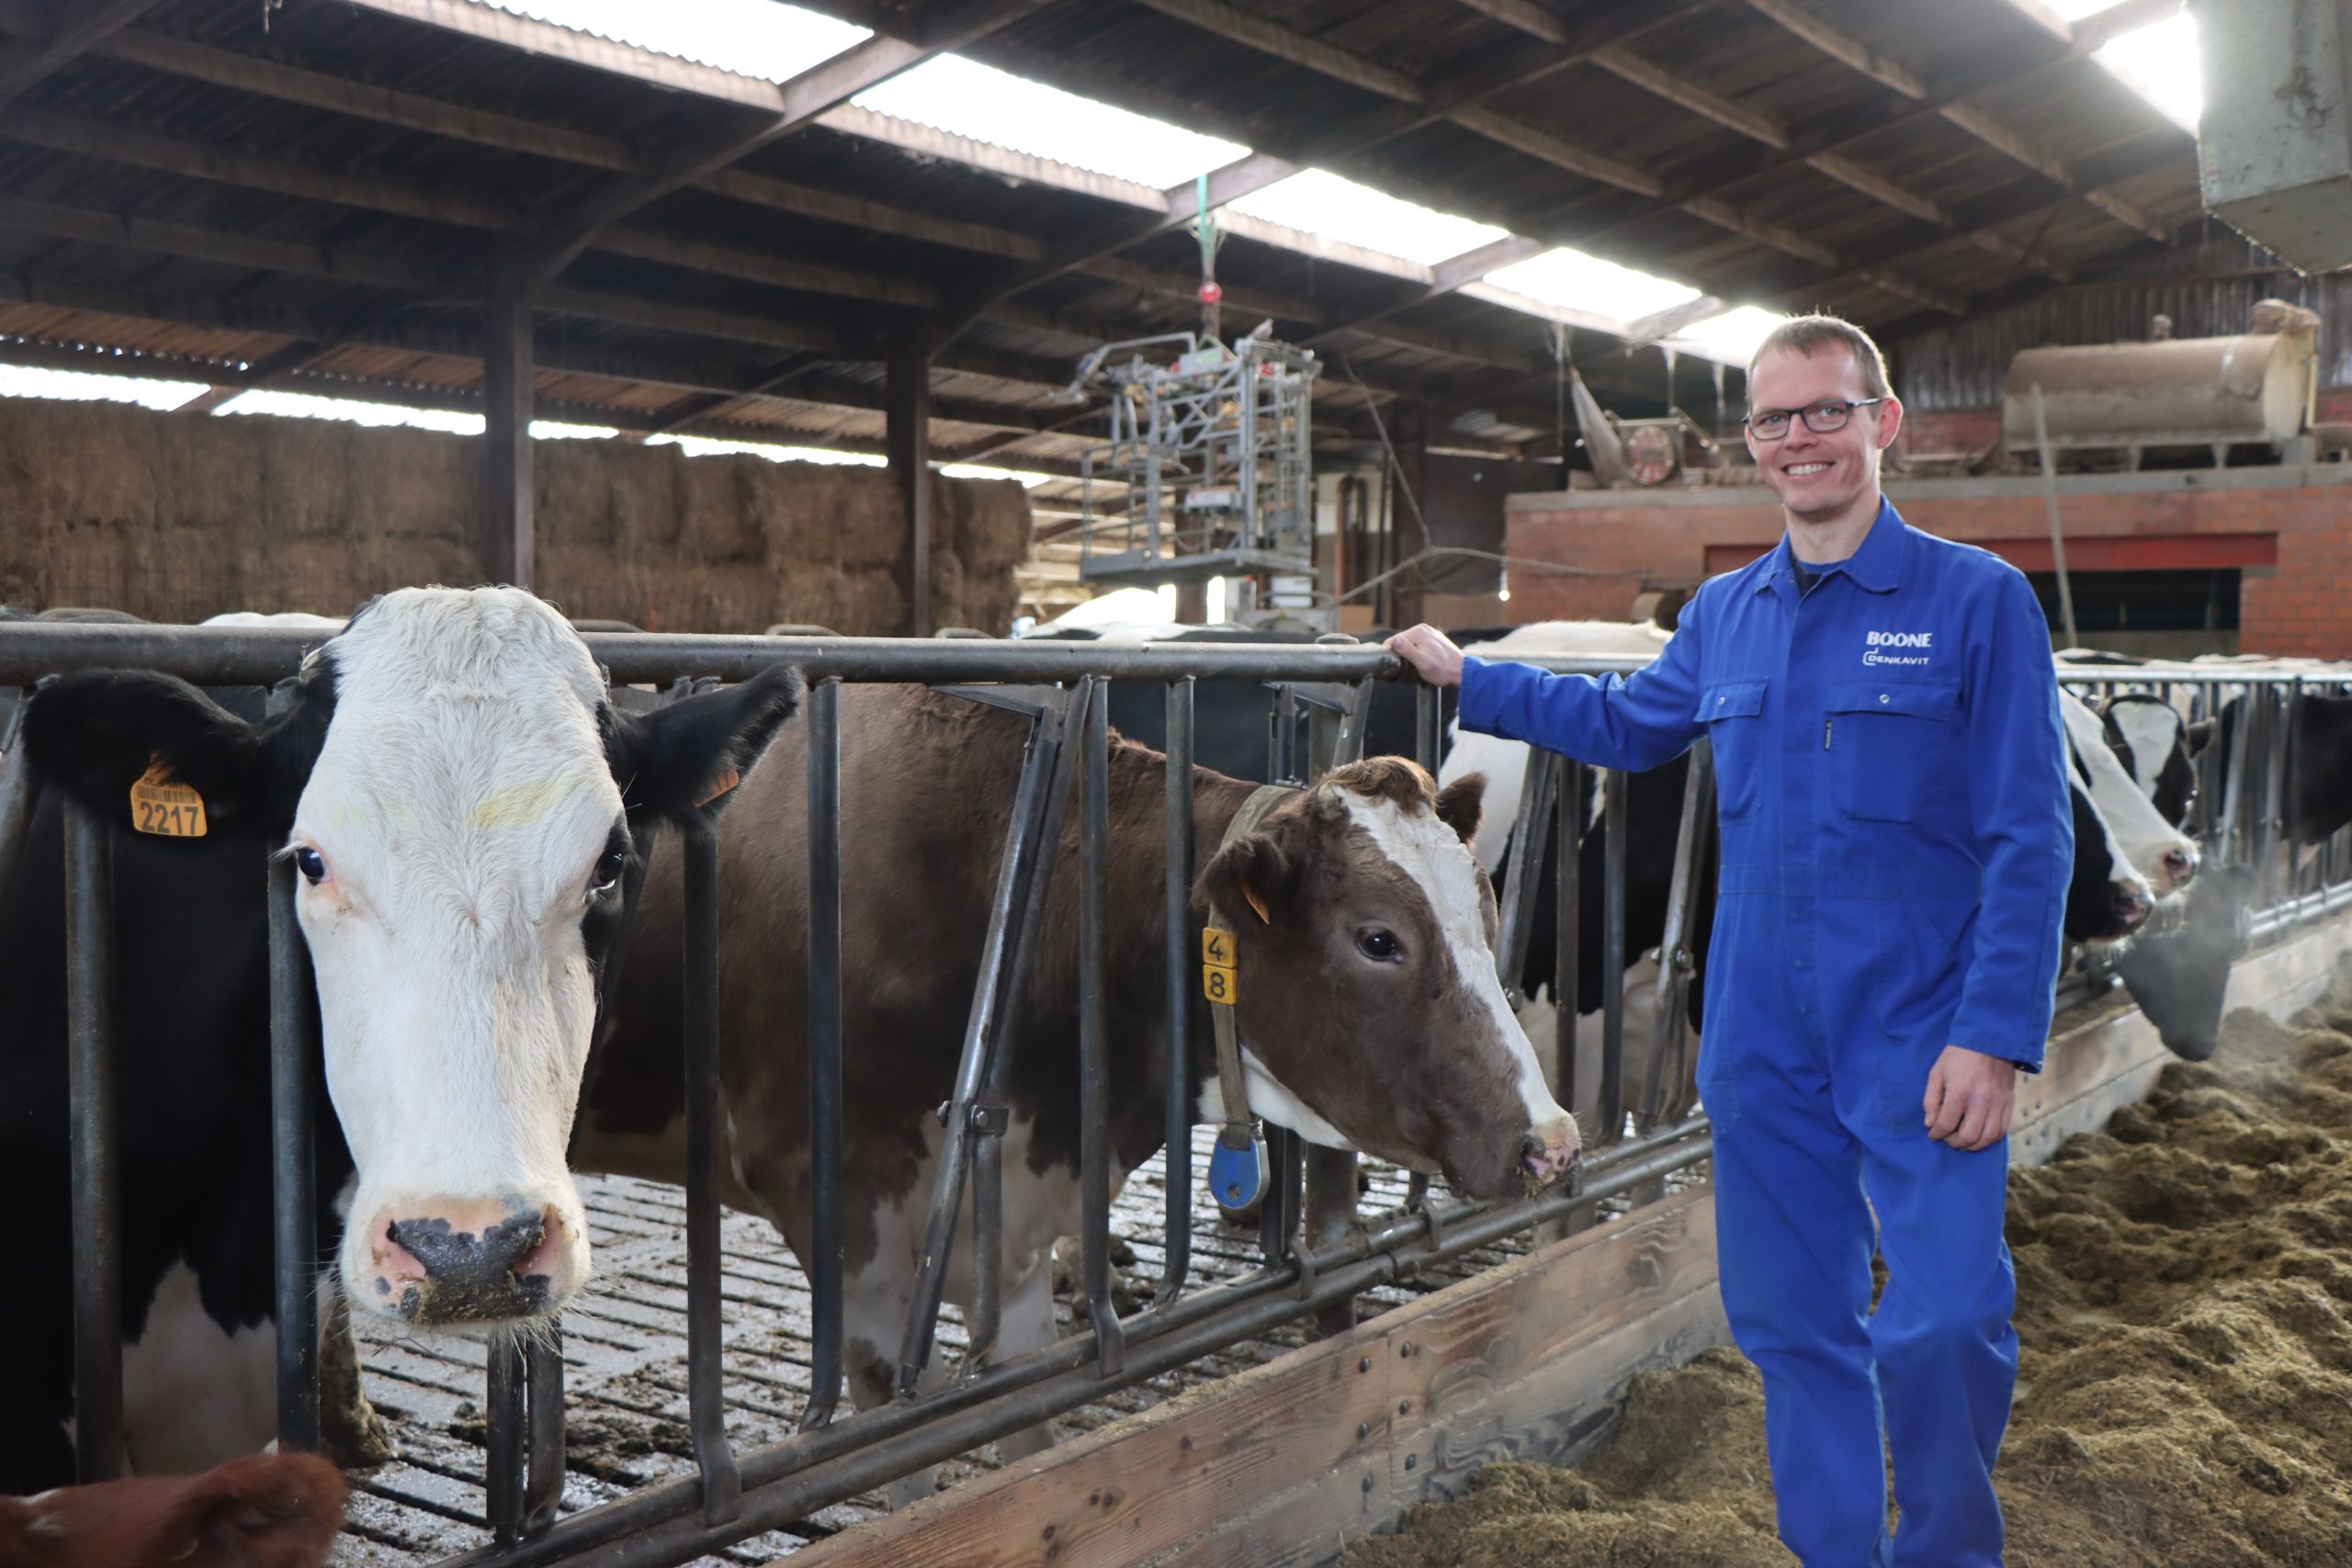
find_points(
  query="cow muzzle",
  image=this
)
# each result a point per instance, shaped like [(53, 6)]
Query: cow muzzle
[(1548, 1156), (472, 1262), (2179, 868)]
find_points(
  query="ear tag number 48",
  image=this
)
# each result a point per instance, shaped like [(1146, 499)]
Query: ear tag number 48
[(1219, 979)]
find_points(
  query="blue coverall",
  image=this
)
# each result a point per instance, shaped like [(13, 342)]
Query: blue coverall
[(1896, 844)]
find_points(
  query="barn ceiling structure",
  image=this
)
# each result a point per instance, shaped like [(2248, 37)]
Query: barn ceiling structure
[(440, 203)]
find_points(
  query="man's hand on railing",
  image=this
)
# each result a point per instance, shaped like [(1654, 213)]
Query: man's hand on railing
[(1430, 653)]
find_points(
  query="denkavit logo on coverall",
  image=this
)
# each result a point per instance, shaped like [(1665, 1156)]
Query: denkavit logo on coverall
[(1888, 647)]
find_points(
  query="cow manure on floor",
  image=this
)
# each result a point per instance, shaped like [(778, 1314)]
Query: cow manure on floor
[(2185, 1302)]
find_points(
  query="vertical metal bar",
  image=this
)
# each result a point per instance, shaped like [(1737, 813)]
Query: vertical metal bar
[(2290, 764), (1429, 722), (1523, 875), (1567, 841), (503, 1479), (1278, 1210), (1331, 1213), (293, 1047), (705, 1389), (1612, 959), (1177, 1224), (822, 715), (1093, 1028), (1675, 958), (1329, 1175), (543, 1483), (19, 793), (97, 1213)]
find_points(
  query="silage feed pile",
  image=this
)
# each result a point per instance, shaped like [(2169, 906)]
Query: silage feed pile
[(2184, 1399)]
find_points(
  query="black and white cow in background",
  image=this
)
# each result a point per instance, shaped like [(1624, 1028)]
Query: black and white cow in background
[(463, 809)]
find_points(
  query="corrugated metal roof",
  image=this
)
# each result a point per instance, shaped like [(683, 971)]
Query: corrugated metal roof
[(382, 156)]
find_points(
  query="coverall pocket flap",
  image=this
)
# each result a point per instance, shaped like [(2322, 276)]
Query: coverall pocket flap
[(1731, 699), (1915, 699)]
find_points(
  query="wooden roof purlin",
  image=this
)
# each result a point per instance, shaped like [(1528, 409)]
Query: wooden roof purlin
[(720, 250)]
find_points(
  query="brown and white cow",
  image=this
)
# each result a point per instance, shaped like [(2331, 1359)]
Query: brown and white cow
[(1369, 1008)]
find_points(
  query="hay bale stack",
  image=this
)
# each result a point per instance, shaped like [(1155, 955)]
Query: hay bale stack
[(177, 517)]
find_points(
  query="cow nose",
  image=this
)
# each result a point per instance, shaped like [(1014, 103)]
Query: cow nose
[(471, 1262), (2131, 904), (2180, 866), (1548, 1156)]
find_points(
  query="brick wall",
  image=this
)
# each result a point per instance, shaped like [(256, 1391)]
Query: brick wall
[(2288, 530)]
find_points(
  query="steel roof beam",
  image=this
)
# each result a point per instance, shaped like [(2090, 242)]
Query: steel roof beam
[(563, 234), (1976, 122), (80, 25)]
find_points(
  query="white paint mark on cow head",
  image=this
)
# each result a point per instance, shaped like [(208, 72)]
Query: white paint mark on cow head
[(2151, 846)]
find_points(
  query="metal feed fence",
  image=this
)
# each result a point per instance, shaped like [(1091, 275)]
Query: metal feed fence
[(1318, 1254)]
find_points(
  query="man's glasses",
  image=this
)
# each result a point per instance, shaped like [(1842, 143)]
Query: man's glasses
[(1819, 418)]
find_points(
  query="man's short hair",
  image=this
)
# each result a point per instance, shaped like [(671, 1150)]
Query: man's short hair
[(1809, 336)]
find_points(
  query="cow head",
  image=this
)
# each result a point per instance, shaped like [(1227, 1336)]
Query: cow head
[(463, 810), (2126, 856), (1368, 999), (2158, 747)]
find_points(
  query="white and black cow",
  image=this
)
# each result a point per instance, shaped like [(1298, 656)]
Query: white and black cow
[(1369, 1011), (463, 809)]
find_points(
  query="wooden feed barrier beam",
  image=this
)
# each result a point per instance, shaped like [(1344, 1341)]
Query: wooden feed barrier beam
[(1281, 1466)]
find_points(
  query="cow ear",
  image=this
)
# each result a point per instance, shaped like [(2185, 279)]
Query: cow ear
[(96, 732), (1251, 883), (1461, 805), (676, 760), (2199, 735)]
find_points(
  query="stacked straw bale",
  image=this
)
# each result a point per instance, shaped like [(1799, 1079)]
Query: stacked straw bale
[(177, 517)]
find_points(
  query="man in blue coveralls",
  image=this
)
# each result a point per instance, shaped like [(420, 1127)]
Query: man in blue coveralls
[(1897, 843)]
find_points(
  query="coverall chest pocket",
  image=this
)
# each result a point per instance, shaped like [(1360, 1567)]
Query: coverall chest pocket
[(1733, 712), (1896, 747)]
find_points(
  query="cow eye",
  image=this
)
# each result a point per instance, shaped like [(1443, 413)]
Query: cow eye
[(312, 865), (1378, 945), (607, 873)]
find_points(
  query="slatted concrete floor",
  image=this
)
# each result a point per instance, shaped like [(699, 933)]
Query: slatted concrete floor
[(625, 1366)]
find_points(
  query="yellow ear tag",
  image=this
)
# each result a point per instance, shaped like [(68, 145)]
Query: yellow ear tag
[(721, 785), (166, 810), (1258, 904)]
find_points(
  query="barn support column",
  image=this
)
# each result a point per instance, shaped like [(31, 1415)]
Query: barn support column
[(509, 540), (907, 439), (1412, 534)]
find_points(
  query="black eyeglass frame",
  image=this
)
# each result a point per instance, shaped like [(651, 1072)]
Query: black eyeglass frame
[(1787, 414)]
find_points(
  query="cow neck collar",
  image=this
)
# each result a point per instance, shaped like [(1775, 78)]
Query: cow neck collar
[(1240, 1127)]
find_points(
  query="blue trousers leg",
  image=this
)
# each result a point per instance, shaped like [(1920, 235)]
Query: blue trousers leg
[(1793, 1239), (1947, 1355)]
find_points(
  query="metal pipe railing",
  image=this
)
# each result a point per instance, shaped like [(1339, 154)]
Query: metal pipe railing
[(732, 1496), (98, 1453)]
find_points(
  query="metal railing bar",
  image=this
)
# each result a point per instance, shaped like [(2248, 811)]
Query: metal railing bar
[(19, 793), (1177, 915), (721, 1484), (98, 1453), (1613, 956), (1521, 878), (543, 1467), (1675, 957), (1093, 1030), (504, 1453), (822, 715), (1568, 945), (293, 1048)]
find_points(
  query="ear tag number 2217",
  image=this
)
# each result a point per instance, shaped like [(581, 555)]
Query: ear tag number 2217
[(166, 810)]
